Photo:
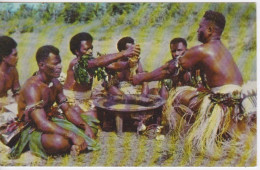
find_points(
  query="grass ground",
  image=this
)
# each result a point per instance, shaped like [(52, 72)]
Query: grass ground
[(132, 150)]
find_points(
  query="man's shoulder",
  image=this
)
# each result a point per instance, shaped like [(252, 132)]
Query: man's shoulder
[(201, 51), (10, 72), (57, 83), (14, 73), (200, 47), (207, 48), (32, 84), (31, 92), (74, 61)]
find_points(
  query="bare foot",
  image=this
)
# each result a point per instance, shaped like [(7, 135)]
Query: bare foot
[(75, 150)]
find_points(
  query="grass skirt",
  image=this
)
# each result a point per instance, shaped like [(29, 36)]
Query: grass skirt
[(213, 121)]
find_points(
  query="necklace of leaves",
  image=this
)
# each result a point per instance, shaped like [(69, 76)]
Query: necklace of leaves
[(83, 74)]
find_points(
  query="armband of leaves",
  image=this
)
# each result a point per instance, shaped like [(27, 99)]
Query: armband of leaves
[(83, 74)]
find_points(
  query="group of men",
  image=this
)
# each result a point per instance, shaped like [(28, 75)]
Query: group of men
[(200, 78)]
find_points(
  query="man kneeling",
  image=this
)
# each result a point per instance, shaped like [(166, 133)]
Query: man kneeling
[(49, 131)]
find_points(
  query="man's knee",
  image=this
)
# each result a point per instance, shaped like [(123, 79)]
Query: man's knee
[(55, 143), (77, 109)]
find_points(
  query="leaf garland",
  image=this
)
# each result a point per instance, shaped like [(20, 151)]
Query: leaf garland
[(83, 74)]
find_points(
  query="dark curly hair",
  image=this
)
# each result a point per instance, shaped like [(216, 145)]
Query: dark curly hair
[(75, 41), (178, 40), (121, 44), (43, 52), (216, 17), (7, 44)]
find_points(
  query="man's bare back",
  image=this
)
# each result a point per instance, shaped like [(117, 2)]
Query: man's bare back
[(216, 61), (211, 57)]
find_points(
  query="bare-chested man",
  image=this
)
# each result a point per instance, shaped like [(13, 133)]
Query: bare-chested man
[(81, 46), (209, 112), (178, 46), (49, 131), (9, 78), (212, 57), (120, 84)]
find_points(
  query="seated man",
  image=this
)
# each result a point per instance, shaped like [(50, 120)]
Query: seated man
[(178, 47), (215, 113), (84, 67), (49, 132), (9, 78), (119, 82)]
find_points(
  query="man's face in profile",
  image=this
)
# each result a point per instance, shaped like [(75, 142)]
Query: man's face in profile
[(53, 65), (12, 58), (177, 49), (203, 30)]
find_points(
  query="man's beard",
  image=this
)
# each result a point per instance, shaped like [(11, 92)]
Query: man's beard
[(201, 37)]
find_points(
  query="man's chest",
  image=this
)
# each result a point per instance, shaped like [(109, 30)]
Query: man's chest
[(49, 96), (124, 75), (6, 81)]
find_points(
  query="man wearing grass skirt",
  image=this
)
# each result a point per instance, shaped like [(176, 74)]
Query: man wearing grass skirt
[(215, 112), (51, 129)]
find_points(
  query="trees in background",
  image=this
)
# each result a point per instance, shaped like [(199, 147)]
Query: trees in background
[(24, 17)]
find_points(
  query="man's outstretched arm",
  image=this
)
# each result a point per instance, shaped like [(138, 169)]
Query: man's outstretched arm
[(118, 66), (105, 60), (160, 73)]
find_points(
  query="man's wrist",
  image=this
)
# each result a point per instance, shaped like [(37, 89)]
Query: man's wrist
[(122, 54)]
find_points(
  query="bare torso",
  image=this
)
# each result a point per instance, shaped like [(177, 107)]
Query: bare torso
[(215, 61), (8, 80), (41, 91), (125, 74)]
